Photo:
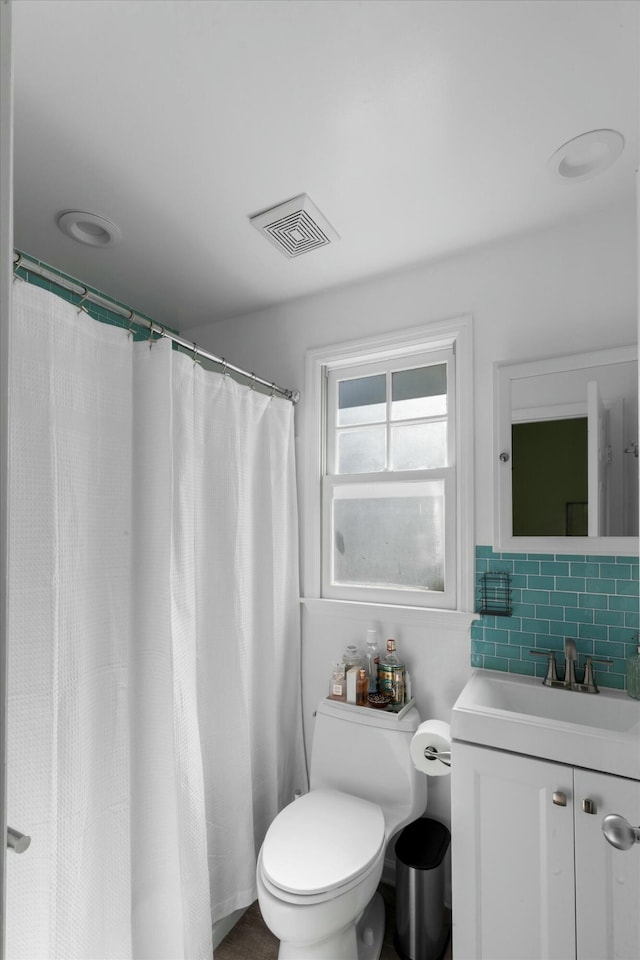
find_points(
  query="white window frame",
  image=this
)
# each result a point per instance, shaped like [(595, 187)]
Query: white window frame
[(402, 345)]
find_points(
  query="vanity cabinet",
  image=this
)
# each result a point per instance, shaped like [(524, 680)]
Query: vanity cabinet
[(533, 877)]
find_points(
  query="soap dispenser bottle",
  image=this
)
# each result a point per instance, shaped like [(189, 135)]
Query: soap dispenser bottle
[(633, 674)]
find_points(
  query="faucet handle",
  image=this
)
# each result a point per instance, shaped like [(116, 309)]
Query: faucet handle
[(589, 680), (552, 672)]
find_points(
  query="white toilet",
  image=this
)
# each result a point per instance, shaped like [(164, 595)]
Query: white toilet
[(322, 857)]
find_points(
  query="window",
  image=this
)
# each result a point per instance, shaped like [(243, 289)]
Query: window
[(388, 426)]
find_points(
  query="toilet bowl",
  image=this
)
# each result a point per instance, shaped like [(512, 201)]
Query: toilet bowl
[(323, 855)]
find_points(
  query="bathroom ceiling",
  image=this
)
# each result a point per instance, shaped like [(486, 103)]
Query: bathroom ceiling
[(418, 128)]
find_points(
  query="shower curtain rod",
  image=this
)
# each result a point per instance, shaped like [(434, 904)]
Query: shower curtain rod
[(22, 261)]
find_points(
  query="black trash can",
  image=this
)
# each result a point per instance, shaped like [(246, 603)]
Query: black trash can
[(422, 926)]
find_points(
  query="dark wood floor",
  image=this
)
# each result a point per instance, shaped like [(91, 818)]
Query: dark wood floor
[(250, 939)]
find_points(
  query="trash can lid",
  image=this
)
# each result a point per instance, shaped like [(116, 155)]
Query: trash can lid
[(423, 844)]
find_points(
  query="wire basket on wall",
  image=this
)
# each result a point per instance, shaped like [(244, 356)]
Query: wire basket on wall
[(495, 594)]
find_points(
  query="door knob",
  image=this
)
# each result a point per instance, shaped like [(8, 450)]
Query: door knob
[(619, 832), (559, 798), (17, 841)]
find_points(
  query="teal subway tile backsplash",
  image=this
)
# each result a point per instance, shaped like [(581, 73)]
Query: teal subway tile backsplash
[(619, 571), (591, 598), (554, 568)]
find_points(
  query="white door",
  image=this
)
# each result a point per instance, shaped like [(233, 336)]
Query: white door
[(596, 462), (512, 857), (607, 879)]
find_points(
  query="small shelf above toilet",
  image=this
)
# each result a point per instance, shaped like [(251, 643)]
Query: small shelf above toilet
[(392, 711)]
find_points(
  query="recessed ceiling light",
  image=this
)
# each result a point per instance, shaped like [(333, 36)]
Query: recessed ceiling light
[(586, 155), (89, 228)]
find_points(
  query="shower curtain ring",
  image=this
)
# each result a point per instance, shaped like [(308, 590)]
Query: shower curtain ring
[(131, 318), (17, 263), (195, 354), (151, 332), (224, 367), (273, 387), (253, 380), (80, 304)]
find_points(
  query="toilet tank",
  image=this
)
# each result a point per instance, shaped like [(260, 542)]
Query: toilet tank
[(365, 752)]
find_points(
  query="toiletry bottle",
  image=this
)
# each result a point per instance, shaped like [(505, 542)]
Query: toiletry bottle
[(352, 657), (338, 685), (390, 671), (372, 658), (398, 684), (633, 675), (352, 684), (362, 688)]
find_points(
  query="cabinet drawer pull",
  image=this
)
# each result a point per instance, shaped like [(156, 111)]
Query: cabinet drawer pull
[(588, 806), (559, 798)]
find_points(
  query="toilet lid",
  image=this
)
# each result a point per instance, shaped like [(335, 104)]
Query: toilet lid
[(322, 841)]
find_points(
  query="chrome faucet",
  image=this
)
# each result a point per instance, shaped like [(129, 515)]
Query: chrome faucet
[(569, 681), (570, 657)]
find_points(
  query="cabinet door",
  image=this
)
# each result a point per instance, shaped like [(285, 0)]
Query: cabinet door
[(607, 879), (512, 857)]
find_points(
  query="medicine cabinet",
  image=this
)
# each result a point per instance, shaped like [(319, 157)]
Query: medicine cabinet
[(566, 454)]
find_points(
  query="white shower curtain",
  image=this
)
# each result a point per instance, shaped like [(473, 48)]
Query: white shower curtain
[(154, 700)]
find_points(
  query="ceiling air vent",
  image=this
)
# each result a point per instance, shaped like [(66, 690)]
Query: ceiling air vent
[(295, 227)]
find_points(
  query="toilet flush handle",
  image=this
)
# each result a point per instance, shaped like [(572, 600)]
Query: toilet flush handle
[(16, 841)]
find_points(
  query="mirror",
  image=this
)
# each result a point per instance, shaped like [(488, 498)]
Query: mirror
[(567, 454)]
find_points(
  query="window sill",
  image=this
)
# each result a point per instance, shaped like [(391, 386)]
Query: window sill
[(418, 616)]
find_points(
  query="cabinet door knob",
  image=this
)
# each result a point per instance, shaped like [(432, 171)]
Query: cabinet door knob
[(559, 798), (619, 832), (588, 806)]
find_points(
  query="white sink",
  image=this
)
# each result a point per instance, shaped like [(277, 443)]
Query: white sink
[(597, 731)]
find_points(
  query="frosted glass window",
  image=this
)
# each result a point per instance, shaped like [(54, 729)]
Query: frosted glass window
[(362, 400), (362, 450), (419, 393), (389, 464), (395, 542), (419, 446)]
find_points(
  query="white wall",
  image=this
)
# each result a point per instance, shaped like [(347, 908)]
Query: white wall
[(558, 291)]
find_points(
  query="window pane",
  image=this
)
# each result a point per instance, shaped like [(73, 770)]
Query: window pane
[(419, 393), (419, 446), (363, 400), (362, 450), (391, 541)]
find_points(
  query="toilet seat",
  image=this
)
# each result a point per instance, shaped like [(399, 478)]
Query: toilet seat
[(321, 845)]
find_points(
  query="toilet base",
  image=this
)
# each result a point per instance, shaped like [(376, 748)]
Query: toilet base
[(340, 946), (362, 942), (370, 929)]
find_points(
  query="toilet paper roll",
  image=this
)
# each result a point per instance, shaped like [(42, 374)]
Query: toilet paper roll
[(430, 748)]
